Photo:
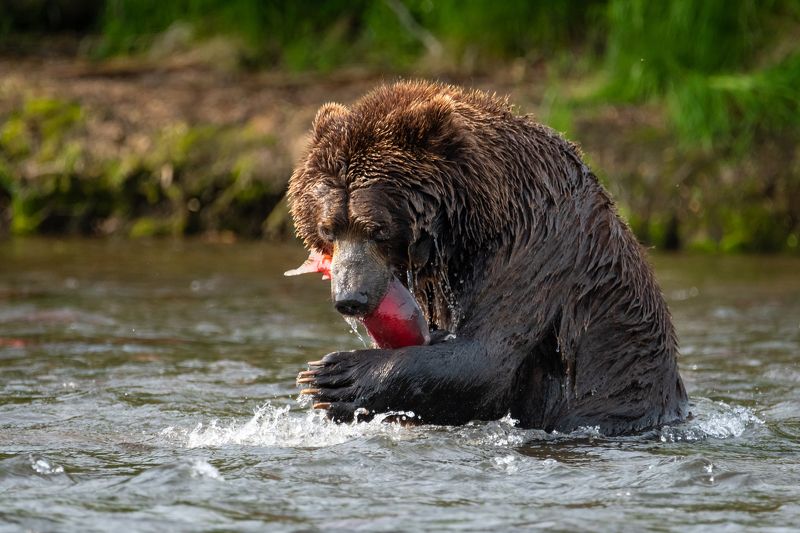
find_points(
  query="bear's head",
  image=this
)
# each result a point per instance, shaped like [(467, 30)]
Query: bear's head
[(386, 188)]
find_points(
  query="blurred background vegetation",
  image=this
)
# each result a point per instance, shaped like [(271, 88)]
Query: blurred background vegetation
[(180, 117)]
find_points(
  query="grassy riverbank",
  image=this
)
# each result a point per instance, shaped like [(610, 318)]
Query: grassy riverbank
[(185, 117)]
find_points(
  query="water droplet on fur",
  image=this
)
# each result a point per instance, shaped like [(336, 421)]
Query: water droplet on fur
[(410, 281), (447, 291)]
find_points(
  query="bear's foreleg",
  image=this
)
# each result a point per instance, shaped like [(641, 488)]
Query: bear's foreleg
[(451, 382)]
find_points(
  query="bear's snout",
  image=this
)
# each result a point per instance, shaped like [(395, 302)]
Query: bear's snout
[(352, 303), (359, 276)]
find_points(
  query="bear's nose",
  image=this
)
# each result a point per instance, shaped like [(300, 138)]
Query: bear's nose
[(352, 303)]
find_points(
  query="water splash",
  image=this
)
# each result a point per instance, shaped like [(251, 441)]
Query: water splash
[(283, 427), (712, 420), (507, 463), (279, 426), (30, 470), (204, 469), (499, 433), (715, 420), (44, 466)]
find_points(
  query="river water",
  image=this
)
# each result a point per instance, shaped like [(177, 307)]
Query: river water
[(150, 386)]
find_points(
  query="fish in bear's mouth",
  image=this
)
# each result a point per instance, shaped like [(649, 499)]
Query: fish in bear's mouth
[(396, 321)]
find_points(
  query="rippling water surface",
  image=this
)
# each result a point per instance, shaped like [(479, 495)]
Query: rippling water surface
[(150, 386)]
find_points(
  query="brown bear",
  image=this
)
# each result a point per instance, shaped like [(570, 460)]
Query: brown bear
[(541, 300)]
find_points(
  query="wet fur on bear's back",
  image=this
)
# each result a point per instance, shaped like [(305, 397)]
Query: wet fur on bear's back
[(527, 259)]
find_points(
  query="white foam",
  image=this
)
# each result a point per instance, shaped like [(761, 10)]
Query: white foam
[(204, 469), (44, 467), (507, 463), (278, 426), (501, 433), (716, 420), (282, 427)]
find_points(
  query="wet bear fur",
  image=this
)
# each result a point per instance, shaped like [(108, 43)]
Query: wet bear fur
[(509, 242)]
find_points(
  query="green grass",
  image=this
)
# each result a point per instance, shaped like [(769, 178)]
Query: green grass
[(324, 34), (725, 74), (718, 65)]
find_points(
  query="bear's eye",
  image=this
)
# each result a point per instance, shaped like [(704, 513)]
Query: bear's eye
[(381, 234), (326, 233)]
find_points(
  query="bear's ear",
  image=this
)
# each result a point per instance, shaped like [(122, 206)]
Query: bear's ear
[(433, 125), (328, 116)]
